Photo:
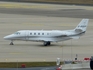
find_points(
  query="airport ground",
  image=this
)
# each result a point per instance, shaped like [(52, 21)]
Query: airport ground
[(32, 16), (38, 68)]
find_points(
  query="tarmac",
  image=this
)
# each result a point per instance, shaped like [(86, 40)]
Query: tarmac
[(34, 16)]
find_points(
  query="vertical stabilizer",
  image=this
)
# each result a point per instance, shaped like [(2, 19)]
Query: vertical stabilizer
[(81, 27)]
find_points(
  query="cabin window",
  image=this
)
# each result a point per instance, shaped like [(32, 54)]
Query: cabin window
[(42, 33), (38, 33), (47, 33), (30, 33), (34, 33)]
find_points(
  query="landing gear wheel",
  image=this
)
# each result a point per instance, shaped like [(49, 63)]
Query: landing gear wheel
[(47, 43), (11, 43)]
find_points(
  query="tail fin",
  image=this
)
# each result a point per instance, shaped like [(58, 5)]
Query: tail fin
[(81, 27)]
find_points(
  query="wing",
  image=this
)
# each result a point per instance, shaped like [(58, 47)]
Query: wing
[(51, 38)]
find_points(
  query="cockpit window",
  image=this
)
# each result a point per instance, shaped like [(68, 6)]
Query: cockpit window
[(17, 33)]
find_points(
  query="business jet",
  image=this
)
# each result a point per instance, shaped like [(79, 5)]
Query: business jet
[(47, 36)]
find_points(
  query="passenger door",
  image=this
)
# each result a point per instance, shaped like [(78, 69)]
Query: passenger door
[(27, 35)]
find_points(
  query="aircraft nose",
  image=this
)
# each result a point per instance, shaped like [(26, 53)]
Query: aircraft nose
[(7, 37)]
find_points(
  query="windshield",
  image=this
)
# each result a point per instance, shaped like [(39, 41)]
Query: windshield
[(17, 33)]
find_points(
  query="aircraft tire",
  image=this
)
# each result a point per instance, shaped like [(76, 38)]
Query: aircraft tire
[(48, 43), (11, 43), (45, 43)]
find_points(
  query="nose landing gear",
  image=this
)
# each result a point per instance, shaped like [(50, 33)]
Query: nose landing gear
[(11, 43)]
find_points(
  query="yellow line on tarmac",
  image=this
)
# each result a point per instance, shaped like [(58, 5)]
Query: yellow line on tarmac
[(90, 8), (23, 6)]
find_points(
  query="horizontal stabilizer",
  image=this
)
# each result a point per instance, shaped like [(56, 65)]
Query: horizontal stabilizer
[(78, 30)]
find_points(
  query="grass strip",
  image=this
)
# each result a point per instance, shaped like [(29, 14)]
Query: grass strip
[(27, 64)]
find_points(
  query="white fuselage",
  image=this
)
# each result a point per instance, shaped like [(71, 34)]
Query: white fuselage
[(48, 36), (41, 35)]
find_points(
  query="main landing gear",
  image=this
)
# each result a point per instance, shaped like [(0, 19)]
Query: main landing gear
[(46, 43), (11, 43)]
